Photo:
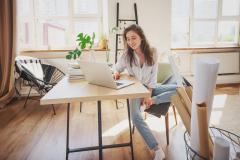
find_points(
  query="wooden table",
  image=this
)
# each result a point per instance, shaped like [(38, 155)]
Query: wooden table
[(80, 91)]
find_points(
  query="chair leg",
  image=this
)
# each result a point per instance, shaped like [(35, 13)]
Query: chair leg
[(54, 112), (24, 106), (80, 107), (167, 128), (175, 115)]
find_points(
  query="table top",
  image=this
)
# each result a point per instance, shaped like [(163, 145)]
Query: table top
[(79, 91)]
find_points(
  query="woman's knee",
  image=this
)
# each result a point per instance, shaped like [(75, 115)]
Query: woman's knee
[(163, 88)]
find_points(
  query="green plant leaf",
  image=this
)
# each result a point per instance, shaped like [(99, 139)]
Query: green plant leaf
[(74, 54), (92, 40), (93, 36), (83, 45), (68, 56), (79, 53), (85, 39), (88, 39), (76, 49), (80, 35)]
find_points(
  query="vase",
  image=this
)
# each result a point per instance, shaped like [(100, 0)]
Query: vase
[(91, 56)]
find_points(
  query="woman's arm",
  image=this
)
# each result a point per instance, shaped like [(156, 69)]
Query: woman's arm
[(153, 80), (121, 63), (120, 66)]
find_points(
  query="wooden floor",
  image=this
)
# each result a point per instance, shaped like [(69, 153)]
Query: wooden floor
[(34, 133)]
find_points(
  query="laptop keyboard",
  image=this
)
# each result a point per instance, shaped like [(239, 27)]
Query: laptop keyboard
[(118, 84)]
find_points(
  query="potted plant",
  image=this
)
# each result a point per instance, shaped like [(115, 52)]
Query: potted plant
[(84, 40)]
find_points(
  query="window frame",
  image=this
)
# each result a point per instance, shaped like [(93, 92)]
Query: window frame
[(219, 17), (33, 19)]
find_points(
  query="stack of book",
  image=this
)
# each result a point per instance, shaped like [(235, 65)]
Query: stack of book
[(75, 74)]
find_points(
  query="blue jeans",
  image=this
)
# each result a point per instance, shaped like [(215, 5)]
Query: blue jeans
[(163, 92), (160, 94)]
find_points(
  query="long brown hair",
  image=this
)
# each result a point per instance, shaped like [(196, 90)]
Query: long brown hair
[(145, 47)]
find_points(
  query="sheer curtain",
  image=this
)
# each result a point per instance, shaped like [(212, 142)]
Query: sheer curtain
[(7, 50)]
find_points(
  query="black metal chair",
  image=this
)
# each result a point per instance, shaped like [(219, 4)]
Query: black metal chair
[(41, 77)]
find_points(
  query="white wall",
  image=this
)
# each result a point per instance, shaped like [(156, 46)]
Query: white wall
[(154, 17)]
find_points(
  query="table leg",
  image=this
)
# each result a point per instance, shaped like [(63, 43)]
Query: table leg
[(67, 138), (100, 147), (130, 128), (100, 130)]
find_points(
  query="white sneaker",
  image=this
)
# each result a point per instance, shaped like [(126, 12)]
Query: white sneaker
[(159, 154)]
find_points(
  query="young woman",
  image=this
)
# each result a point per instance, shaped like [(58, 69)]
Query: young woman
[(141, 62)]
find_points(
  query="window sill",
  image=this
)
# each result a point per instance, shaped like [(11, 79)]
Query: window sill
[(206, 50), (58, 50), (53, 53)]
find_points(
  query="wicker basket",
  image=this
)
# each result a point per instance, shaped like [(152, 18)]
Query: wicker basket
[(233, 139)]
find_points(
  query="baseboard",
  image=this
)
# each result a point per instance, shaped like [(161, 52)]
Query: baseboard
[(222, 79)]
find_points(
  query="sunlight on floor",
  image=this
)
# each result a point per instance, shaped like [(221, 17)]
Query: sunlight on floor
[(216, 117), (219, 101), (155, 124), (116, 129), (158, 124)]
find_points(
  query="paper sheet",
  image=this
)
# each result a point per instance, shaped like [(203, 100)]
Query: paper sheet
[(189, 92), (182, 110), (183, 94), (205, 76)]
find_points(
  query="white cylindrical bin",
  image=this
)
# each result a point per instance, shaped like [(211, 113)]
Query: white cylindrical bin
[(221, 149)]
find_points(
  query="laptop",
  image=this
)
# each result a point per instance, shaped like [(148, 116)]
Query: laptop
[(175, 70), (99, 73)]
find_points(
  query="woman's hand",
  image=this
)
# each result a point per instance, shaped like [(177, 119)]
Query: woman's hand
[(116, 75), (148, 101)]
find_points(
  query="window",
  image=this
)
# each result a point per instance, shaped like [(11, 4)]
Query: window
[(52, 24), (205, 23)]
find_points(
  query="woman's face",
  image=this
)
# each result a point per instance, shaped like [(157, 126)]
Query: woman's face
[(133, 40)]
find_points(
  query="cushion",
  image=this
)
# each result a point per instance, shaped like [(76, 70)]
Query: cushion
[(158, 109), (164, 72)]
